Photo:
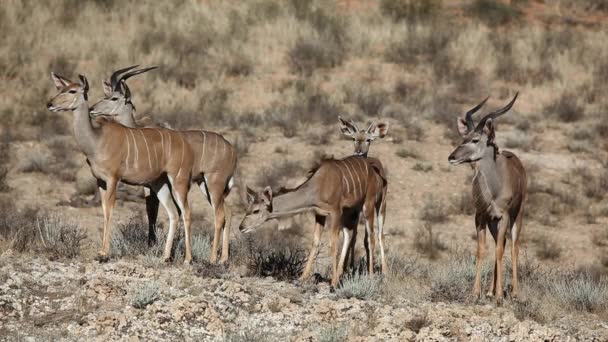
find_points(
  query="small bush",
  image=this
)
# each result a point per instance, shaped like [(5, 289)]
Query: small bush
[(59, 238), (282, 264), (528, 308), (410, 10), (493, 12), (333, 334), (418, 322), (580, 291), (359, 285), (415, 131), (145, 295), (407, 153), (422, 167), (130, 239), (547, 249), (434, 210), (201, 247), (307, 55), (427, 243), (35, 161), (566, 108), (238, 65), (274, 176), (454, 279)]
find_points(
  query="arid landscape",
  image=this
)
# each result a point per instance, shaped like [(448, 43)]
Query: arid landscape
[(273, 77)]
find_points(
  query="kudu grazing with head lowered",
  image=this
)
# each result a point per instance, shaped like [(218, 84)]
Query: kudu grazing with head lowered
[(214, 163), (336, 191), (153, 157), (362, 140), (499, 192)]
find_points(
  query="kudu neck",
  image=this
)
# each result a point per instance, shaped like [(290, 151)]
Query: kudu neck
[(487, 164), (293, 202), (85, 133)]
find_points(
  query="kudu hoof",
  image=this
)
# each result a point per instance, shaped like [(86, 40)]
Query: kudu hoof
[(102, 259)]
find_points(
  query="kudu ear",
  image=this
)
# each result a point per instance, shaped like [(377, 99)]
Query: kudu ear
[(378, 130), (59, 81), (251, 195), (347, 128), (489, 130), (107, 88), (462, 127), (267, 196)]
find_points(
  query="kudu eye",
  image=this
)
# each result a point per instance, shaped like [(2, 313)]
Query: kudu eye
[(114, 98), (256, 211), (475, 140), (73, 91)]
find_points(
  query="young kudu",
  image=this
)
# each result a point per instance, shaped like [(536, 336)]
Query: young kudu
[(336, 191), (362, 140), (499, 192), (214, 163), (134, 156)]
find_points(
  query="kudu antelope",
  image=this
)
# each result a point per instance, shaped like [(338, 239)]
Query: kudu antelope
[(134, 156), (336, 191), (362, 140), (499, 192), (214, 163)]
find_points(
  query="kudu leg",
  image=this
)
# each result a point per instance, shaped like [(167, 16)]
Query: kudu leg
[(381, 213), (369, 231), (334, 231), (164, 196), (108, 199), (493, 227), (515, 231), (319, 223), (152, 204), (180, 193), (214, 189), (480, 226), (500, 249), (347, 237)]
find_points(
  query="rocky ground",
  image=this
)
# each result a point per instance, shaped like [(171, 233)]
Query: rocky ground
[(77, 300)]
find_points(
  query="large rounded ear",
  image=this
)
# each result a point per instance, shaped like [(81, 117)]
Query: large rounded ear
[(462, 127), (267, 196), (347, 128), (107, 88), (378, 130), (489, 130), (59, 81), (251, 195)]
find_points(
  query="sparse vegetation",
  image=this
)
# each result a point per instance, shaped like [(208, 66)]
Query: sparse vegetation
[(282, 264), (547, 249), (145, 295), (566, 108), (333, 334), (427, 243), (359, 285), (407, 153), (580, 291), (433, 210), (59, 238), (418, 322)]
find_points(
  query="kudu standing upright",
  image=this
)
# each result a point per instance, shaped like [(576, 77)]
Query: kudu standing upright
[(214, 163), (337, 190), (134, 156), (499, 192), (362, 140)]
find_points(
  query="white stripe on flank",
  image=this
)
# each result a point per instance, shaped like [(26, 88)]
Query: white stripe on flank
[(366, 172), (214, 151), (136, 149), (147, 148), (203, 155), (357, 174), (182, 161), (170, 143), (128, 150), (351, 177), (344, 178)]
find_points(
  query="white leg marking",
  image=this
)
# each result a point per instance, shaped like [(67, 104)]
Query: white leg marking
[(147, 148), (514, 232), (345, 245), (146, 191), (164, 197), (231, 183)]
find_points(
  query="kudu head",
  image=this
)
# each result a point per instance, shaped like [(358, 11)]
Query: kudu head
[(71, 94), (362, 139), (117, 95), (259, 208), (477, 139)]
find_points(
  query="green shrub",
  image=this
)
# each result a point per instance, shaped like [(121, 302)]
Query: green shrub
[(360, 286)]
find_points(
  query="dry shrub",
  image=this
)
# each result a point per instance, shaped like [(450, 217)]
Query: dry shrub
[(359, 285), (34, 161), (450, 280), (369, 101), (566, 108), (434, 210), (418, 322), (422, 167), (493, 12), (60, 238), (427, 243), (580, 290), (411, 10), (420, 45), (310, 104), (4, 162), (547, 249), (280, 263), (274, 176), (308, 54), (407, 153)]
